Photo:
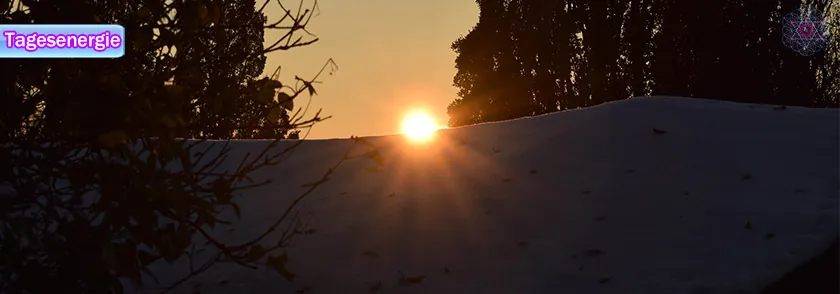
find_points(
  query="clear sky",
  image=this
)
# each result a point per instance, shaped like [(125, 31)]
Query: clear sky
[(393, 56)]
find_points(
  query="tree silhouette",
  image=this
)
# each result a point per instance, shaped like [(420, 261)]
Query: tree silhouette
[(638, 24), (96, 181), (476, 63), (555, 55)]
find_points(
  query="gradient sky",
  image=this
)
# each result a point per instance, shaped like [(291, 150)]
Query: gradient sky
[(393, 56)]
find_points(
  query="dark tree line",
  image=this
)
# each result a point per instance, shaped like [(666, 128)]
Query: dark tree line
[(529, 57), (96, 180), (197, 72)]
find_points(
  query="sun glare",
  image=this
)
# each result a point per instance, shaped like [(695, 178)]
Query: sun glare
[(419, 126)]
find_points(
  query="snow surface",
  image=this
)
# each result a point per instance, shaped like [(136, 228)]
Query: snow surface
[(583, 201)]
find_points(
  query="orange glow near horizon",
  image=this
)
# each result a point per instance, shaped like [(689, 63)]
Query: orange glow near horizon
[(377, 78), (419, 126)]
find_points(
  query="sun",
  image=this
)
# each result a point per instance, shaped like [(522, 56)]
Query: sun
[(419, 126)]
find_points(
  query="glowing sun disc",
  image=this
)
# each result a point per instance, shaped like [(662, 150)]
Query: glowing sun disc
[(419, 126)]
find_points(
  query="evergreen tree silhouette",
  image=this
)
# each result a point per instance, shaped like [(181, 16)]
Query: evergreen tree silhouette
[(528, 57)]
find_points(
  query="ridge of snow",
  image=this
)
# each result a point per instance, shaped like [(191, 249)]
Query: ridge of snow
[(581, 201)]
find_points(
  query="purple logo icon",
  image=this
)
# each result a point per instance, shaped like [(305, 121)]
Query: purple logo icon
[(805, 31)]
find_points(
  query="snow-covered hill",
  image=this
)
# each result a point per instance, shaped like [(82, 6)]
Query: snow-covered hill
[(720, 198)]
